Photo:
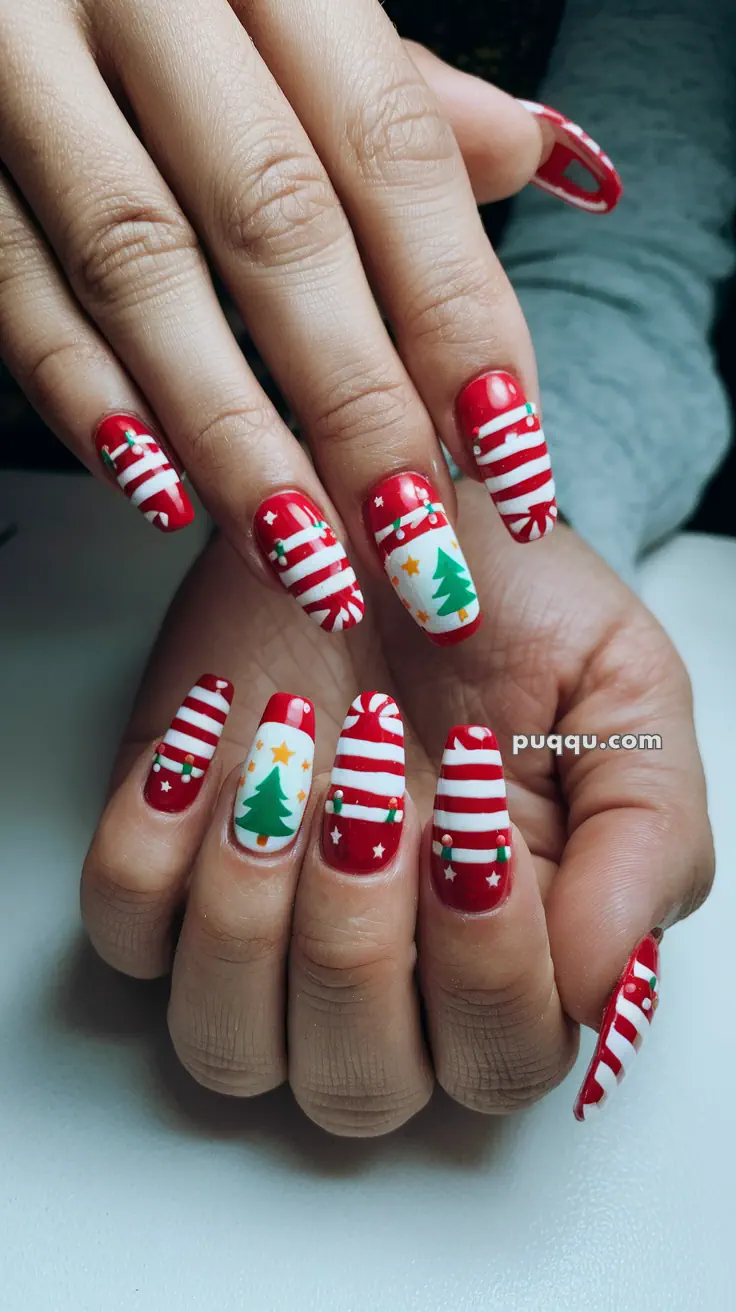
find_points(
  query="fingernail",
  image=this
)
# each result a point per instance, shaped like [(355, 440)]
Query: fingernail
[(147, 477), (510, 453), (305, 555), (364, 809), (625, 1022), (183, 756), (471, 834), (572, 144), (277, 776), (422, 557)]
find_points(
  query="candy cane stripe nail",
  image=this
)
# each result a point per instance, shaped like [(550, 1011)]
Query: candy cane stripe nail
[(471, 837), (624, 1026), (422, 557), (305, 554), (572, 143), (364, 809), (143, 472), (510, 453), (183, 756)]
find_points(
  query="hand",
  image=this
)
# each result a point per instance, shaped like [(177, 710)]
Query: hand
[(278, 140), (606, 844)]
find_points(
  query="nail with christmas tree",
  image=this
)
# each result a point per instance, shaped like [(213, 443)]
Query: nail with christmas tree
[(364, 808), (304, 553), (182, 758), (471, 829), (135, 460), (421, 555), (510, 453), (277, 776), (625, 1024)]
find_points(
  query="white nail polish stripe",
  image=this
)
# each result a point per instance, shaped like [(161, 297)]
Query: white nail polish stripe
[(634, 1014), (644, 972), (370, 750), (336, 583), (388, 723), (506, 420), (479, 788), (621, 1047), (198, 720), (304, 535), (471, 822), (499, 482), (352, 811), (606, 1077), (470, 856), (369, 781), (167, 478), (213, 699), (412, 517), (151, 460), (514, 443), (584, 204), (471, 756), (166, 763), (315, 561), (141, 439), (519, 505), (196, 746)]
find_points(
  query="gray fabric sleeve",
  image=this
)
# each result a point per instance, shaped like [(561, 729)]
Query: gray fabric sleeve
[(621, 306)]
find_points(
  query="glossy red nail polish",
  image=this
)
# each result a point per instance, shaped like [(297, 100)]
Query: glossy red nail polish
[(308, 559), (364, 809), (625, 1023), (573, 144), (422, 557), (510, 453), (183, 756), (145, 474), (471, 834)]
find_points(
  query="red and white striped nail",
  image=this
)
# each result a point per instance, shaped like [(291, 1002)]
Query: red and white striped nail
[(183, 756), (574, 145), (145, 474), (306, 556), (364, 808), (471, 833), (625, 1023), (421, 554), (510, 453)]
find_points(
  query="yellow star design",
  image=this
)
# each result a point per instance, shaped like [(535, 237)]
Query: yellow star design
[(395, 581), (251, 767), (454, 546), (259, 745), (301, 795), (422, 616), (281, 754), (411, 566), (305, 765)]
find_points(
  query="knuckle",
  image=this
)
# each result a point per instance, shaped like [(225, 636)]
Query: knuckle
[(222, 1054), (47, 373), (280, 208), (128, 922), (397, 130), (453, 304), (226, 945), (125, 250), (364, 408), (219, 442), (360, 1114)]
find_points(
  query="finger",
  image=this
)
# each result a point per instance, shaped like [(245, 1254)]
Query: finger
[(498, 1034), (136, 870), (356, 1060), (134, 263), (228, 994)]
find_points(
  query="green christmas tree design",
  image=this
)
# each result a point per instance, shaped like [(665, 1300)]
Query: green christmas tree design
[(455, 589), (266, 810)]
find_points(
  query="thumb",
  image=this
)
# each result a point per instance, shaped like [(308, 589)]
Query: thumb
[(503, 145)]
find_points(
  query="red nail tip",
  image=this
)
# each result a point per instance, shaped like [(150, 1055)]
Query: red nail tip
[(183, 756), (510, 453), (306, 556), (364, 809), (422, 557), (144, 473), (291, 711), (626, 1021), (471, 833), (574, 144)]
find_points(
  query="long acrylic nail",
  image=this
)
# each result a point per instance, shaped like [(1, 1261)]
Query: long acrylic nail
[(364, 809), (147, 477), (307, 558), (625, 1023), (471, 834), (183, 756), (574, 145), (277, 776), (510, 453), (422, 557)]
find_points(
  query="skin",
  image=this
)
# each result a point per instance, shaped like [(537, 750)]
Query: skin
[(606, 844)]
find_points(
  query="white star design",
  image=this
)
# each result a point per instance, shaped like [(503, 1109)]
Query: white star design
[(270, 517), (378, 851), (335, 835), (493, 880), (165, 786), (422, 493), (450, 873), (378, 501)]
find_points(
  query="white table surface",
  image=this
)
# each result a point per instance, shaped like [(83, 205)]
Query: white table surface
[(123, 1185)]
